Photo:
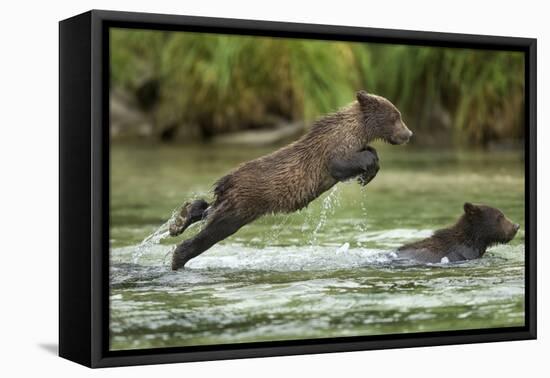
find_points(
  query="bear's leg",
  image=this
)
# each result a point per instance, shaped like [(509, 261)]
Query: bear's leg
[(217, 229), (364, 163), (190, 213)]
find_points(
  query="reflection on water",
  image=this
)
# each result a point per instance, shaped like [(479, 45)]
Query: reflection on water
[(326, 271)]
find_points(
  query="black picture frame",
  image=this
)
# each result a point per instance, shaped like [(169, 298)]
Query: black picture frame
[(84, 188)]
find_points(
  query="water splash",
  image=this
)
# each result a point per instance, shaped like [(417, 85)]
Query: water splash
[(331, 201), (239, 259), (343, 248), (272, 237), (288, 259), (155, 238), (361, 226)]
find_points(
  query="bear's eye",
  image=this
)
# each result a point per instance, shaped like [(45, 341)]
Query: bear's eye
[(500, 217)]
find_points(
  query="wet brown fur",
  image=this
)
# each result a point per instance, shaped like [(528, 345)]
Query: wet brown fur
[(477, 229), (291, 177)]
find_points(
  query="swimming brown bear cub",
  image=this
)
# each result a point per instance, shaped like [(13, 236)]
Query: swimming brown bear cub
[(477, 229), (335, 149)]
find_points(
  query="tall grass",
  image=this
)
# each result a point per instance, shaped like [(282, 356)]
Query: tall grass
[(219, 83), (482, 91)]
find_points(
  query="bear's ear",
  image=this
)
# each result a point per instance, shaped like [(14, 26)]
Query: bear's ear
[(362, 97), (470, 208)]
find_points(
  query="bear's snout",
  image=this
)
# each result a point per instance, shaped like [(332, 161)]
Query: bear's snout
[(401, 135), (515, 228), (512, 231)]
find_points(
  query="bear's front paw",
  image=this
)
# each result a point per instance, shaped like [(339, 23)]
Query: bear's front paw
[(369, 161), (367, 177), (373, 151), (371, 166)]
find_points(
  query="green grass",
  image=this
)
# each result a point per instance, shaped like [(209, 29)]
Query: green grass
[(209, 84)]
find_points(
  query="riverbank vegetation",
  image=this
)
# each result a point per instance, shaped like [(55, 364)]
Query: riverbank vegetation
[(192, 86)]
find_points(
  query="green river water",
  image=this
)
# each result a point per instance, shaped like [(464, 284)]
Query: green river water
[(325, 271)]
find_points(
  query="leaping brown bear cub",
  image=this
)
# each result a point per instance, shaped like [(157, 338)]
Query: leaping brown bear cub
[(335, 149), (480, 227)]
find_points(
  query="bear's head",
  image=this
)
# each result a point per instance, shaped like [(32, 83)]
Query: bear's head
[(382, 119), (489, 224)]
